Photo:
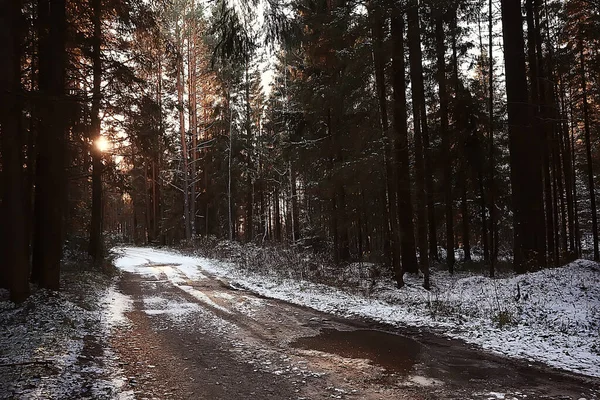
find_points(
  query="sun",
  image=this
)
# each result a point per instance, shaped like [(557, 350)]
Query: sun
[(102, 144)]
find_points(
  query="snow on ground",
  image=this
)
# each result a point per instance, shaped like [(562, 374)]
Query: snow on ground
[(551, 316), (51, 346)]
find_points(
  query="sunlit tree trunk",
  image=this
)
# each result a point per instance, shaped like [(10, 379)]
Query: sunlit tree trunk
[(95, 244), (193, 117), (183, 139)]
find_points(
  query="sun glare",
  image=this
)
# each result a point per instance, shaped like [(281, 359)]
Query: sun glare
[(102, 144)]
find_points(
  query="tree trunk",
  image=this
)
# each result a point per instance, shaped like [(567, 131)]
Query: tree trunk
[(158, 209), (249, 165), (95, 244), (230, 153), (193, 120), (391, 217), (588, 154), (416, 77), (277, 215), (575, 199), (405, 206), (548, 140), (184, 151), (491, 184), (295, 209), (484, 226), (15, 258), (445, 133), (567, 167), (525, 159), (50, 196), (464, 210)]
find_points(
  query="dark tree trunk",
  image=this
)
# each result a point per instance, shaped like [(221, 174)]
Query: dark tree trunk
[(391, 217), (445, 133), (525, 159), (344, 240), (295, 208), (416, 77), (50, 196), (484, 225), (464, 210), (575, 199), (466, 229), (249, 187), (405, 206), (565, 148), (548, 141), (491, 184), (95, 245), (14, 260)]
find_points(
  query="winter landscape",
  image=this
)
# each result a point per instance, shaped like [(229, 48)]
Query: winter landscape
[(299, 199)]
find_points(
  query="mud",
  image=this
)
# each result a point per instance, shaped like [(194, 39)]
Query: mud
[(231, 344), (395, 353)]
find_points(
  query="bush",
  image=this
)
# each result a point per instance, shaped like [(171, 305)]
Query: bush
[(503, 318)]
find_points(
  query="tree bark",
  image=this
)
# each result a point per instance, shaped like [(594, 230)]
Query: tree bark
[(50, 196), (193, 118), (391, 217), (445, 134), (184, 150), (574, 169), (464, 209), (416, 78), (405, 205), (14, 262), (95, 244), (249, 166), (567, 168), (491, 184), (524, 146), (588, 154)]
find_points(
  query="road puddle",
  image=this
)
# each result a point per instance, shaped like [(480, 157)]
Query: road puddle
[(395, 353)]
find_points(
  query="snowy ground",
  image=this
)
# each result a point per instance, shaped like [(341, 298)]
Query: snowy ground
[(58, 346), (51, 346), (551, 316)]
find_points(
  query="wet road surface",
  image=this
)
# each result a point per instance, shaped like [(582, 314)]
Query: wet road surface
[(202, 338)]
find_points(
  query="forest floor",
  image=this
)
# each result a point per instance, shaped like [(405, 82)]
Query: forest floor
[(170, 326)]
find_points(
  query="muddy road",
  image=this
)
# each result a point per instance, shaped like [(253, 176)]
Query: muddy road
[(201, 338)]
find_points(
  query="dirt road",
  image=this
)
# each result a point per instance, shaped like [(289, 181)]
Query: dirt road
[(202, 338)]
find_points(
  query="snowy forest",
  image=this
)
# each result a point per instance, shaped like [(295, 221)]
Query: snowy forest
[(299, 199)]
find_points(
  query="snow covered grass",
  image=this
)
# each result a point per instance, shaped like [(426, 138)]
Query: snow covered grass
[(551, 316), (52, 346)]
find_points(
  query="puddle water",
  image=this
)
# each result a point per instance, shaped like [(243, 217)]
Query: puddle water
[(393, 352)]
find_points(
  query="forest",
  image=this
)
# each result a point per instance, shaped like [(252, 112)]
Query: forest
[(405, 133)]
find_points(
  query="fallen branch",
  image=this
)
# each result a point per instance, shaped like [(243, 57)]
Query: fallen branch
[(26, 363)]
